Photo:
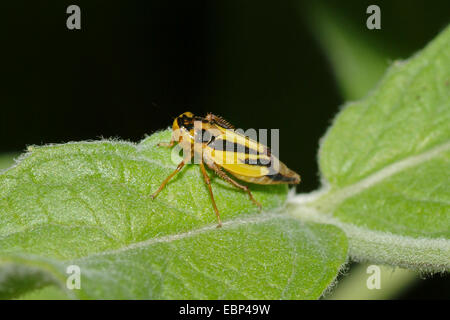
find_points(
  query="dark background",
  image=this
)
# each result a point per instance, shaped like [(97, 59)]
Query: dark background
[(135, 65)]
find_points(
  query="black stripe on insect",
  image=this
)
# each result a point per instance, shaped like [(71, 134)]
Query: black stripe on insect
[(258, 162), (225, 145)]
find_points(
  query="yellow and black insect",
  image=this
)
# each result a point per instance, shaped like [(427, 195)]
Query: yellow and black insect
[(213, 141)]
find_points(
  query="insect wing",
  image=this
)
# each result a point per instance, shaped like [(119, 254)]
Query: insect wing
[(239, 154)]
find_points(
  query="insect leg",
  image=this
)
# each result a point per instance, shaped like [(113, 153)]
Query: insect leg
[(166, 144), (208, 184), (234, 183), (179, 167)]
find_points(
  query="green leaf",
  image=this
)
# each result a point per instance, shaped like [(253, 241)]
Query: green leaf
[(393, 282), (88, 204), (358, 59), (267, 257), (385, 164), (7, 160)]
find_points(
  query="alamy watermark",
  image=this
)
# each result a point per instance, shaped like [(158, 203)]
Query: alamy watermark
[(231, 146), (374, 280), (73, 22), (74, 279), (374, 20)]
